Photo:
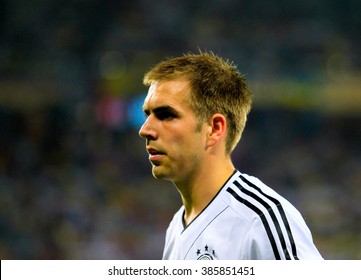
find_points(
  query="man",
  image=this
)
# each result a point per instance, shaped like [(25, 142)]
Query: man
[(196, 109)]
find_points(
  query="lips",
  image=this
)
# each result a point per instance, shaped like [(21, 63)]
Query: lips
[(154, 154)]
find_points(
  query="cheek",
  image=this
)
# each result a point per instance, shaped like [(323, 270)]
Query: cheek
[(189, 147), (185, 141)]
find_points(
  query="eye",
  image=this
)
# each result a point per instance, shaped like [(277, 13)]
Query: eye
[(146, 113), (165, 115)]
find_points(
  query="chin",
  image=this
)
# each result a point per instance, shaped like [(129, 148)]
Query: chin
[(160, 174)]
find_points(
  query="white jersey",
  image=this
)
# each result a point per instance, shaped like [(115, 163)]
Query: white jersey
[(245, 220)]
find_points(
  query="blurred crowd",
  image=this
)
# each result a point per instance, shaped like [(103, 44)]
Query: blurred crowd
[(74, 193), (75, 182)]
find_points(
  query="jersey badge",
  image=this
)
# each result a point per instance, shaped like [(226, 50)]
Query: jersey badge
[(206, 253)]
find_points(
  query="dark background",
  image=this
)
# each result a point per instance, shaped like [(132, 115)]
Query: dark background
[(75, 182)]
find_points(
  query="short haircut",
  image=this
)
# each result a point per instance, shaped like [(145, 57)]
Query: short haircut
[(216, 87)]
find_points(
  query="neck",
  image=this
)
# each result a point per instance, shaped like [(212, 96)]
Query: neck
[(202, 186)]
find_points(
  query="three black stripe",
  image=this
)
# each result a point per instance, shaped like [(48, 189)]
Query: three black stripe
[(264, 220)]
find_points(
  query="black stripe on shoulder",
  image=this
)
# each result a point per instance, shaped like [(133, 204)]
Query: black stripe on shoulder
[(272, 214), (281, 212), (263, 219)]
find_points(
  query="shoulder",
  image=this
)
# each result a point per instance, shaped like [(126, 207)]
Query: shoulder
[(247, 193), (275, 225), (176, 224)]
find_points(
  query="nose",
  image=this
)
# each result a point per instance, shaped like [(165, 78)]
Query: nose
[(147, 130)]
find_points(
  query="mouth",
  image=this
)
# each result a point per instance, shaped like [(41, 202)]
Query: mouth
[(154, 155)]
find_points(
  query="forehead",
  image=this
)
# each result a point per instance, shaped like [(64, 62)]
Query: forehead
[(174, 93)]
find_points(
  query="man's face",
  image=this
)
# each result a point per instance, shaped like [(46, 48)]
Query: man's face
[(173, 140)]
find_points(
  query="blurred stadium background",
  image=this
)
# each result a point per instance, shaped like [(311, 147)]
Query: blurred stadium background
[(75, 181)]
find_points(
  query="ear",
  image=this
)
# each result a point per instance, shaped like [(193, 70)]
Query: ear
[(217, 129)]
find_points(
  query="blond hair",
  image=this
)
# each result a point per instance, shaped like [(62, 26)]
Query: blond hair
[(216, 87)]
